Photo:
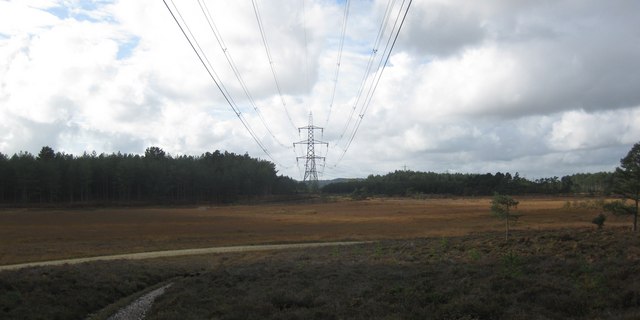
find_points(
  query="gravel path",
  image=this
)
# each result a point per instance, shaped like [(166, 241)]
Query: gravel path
[(183, 252), (138, 309)]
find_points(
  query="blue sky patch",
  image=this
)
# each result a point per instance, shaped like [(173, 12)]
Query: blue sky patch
[(60, 12), (89, 5), (125, 49), (84, 17), (80, 11)]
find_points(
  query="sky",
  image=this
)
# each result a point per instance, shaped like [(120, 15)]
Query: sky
[(544, 88)]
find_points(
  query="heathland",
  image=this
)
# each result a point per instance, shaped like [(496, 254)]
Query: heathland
[(46, 234), (443, 258)]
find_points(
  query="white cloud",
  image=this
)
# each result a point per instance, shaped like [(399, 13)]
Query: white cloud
[(577, 130), (22, 17), (537, 87)]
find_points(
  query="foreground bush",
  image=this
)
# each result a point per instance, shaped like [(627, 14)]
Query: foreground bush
[(571, 274), (540, 275), (74, 291)]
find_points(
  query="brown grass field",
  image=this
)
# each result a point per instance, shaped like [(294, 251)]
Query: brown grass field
[(436, 259), (46, 234)]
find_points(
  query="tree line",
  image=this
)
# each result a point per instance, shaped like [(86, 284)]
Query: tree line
[(155, 177), (222, 177), (408, 183)]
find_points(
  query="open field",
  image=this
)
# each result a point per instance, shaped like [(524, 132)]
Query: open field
[(42, 234), (540, 274), (436, 258)]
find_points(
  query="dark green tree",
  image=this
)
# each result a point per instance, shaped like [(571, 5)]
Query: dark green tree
[(48, 175), (567, 184), (154, 153), (155, 177), (24, 167), (5, 176), (501, 208), (627, 180), (46, 153)]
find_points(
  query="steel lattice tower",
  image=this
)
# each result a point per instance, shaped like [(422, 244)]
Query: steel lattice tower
[(310, 171)]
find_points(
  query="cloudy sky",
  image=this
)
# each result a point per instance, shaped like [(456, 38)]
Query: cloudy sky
[(538, 87)]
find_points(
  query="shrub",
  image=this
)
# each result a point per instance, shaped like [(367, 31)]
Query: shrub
[(359, 194), (599, 220)]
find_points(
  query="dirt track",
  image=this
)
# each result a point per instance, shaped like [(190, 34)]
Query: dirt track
[(175, 253)]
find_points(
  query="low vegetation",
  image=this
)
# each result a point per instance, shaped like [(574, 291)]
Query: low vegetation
[(538, 275), (599, 220), (28, 235), (75, 291)]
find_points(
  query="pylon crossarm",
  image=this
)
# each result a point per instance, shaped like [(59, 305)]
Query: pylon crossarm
[(310, 171)]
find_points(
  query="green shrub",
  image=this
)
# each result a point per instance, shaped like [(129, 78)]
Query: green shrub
[(511, 265), (474, 254), (599, 220), (360, 194)]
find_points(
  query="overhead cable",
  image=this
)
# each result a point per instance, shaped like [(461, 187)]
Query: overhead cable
[(365, 76), (208, 67), (306, 48), (345, 17), (236, 72), (395, 32), (256, 11)]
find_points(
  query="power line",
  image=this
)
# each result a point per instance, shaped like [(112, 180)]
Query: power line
[(211, 73), (369, 97), (236, 72), (378, 75), (374, 52), (256, 11), (365, 93), (306, 48), (345, 17), (365, 76)]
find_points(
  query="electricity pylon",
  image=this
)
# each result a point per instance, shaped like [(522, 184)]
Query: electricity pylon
[(310, 171)]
